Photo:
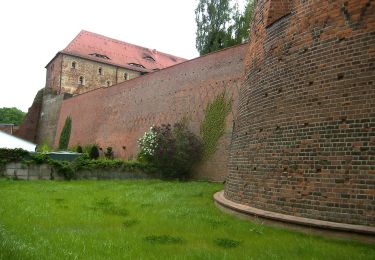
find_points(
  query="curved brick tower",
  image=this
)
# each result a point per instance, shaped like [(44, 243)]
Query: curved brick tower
[(304, 137)]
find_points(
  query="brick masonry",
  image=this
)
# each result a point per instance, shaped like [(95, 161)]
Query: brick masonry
[(304, 136), (28, 130), (119, 115)]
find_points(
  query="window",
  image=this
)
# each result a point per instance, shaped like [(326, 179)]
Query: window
[(108, 83), (100, 71), (81, 81), (149, 58), (74, 65), (137, 65), (126, 76), (98, 55)]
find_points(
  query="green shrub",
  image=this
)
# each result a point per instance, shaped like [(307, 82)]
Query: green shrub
[(44, 147), (68, 169), (79, 149), (65, 134), (109, 153), (173, 151), (13, 155), (94, 152)]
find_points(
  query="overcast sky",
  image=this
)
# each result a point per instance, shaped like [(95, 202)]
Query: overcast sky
[(32, 32)]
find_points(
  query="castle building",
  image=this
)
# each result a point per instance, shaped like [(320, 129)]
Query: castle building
[(93, 61)]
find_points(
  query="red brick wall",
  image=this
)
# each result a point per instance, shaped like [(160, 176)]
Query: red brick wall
[(119, 115), (28, 130), (304, 138)]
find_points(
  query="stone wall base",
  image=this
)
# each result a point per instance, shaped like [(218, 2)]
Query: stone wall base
[(306, 225)]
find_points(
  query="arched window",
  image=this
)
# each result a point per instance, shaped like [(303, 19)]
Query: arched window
[(81, 81), (74, 65), (108, 83), (100, 71), (126, 76)]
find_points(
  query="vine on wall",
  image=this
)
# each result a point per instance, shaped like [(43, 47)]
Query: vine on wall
[(213, 124)]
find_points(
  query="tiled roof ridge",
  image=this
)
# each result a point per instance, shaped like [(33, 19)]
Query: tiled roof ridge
[(103, 37)]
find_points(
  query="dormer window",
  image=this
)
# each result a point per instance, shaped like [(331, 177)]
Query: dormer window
[(81, 81), (136, 65), (100, 71), (98, 55), (126, 76), (108, 83), (74, 65), (149, 58)]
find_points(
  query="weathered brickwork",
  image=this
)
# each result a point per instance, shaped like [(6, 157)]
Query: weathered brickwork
[(53, 74), (304, 138), (28, 130), (64, 72), (119, 115)]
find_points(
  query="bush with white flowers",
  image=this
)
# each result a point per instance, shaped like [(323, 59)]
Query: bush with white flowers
[(173, 151)]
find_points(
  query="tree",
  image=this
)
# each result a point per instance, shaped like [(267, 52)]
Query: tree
[(11, 115), (65, 134), (240, 28), (220, 24)]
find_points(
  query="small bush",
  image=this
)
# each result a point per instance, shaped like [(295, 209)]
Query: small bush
[(79, 149), (173, 151), (13, 155), (94, 152), (44, 147), (109, 153)]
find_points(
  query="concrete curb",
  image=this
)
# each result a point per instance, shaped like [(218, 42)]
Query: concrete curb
[(321, 224)]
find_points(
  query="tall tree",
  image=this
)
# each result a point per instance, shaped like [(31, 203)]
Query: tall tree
[(220, 24), (65, 134), (240, 29), (11, 115)]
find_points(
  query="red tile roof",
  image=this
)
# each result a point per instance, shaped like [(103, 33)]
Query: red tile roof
[(107, 50)]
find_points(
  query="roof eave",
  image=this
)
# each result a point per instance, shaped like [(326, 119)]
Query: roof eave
[(104, 62)]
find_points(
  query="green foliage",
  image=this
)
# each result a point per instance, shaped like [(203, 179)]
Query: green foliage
[(11, 115), (11, 155), (220, 24), (240, 28), (173, 151), (79, 149), (84, 163), (109, 153), (44, 147), (68, 169), (213, 125), (94, 152), (65, 134)]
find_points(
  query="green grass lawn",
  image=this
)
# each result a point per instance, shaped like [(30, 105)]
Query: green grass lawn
[(143, 220)]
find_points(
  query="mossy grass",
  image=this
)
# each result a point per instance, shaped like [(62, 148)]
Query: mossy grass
[(145, 219)]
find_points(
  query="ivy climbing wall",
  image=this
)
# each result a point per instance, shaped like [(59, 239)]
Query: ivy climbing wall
[(119, 115), (304, 138)]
